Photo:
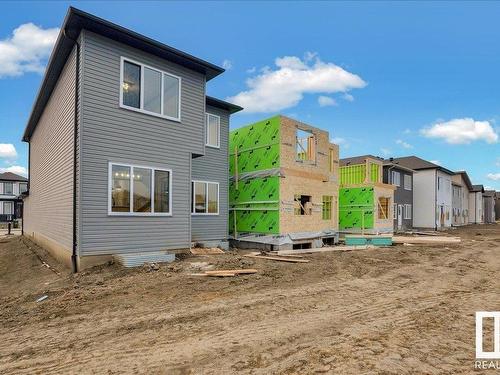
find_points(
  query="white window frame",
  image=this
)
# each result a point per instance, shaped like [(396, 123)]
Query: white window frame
[(141, 104), (4, 188), (8, 204), (407, 177), (206, 195), (207, 115), (406, 215), (131, 210), (393, 174), (23, 183)]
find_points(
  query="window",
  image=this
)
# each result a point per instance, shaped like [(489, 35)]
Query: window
[(439, 183), (407, 215), (305, 145), (136, 190), (8, 188), (23, 187), (407, 181), (396, 178), (205, 198), (327, 207), (302, 205), (149, 90), (332, 161), (213, 130), (383, 208), (8, 208), (395, 211)]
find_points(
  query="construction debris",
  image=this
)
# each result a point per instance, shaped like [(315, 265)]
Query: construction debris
[(432, 240), (324, 250), (206, 251), (42, 298)]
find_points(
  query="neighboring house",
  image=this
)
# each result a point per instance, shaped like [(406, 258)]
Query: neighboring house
[(497, 205), (432, 193), (476, 205), (11, 187), (365, 201), (489, 206), (284, 185), (120, 135), (461, 188), (402, 178)]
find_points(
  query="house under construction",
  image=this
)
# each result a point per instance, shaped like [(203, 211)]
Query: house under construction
[(284, 183), (365, 202)]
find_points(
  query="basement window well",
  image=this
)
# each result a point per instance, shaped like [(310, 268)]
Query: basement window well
[(302, 205), (305, 145)]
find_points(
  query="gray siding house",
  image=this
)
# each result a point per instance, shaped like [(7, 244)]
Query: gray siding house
[(11, 187), (401, 177), (127, 154)]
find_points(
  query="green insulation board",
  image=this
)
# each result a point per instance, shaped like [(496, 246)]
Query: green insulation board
[(258, 146), (256, 203), (356, 208)]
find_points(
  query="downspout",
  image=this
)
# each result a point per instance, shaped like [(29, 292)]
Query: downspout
[(74, 257)]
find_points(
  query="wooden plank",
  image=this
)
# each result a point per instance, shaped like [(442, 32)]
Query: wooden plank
[(426, 240), (206, 251), (277, 258), (237, 272), (325, 249)]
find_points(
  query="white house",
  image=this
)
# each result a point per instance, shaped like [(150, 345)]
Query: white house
[(461, 189), (432, 193), (476, 215)]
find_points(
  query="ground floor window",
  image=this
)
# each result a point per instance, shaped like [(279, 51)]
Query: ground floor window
[(8, 208), (383, 208), (407, 215), (327, 207), (205, 198), (138, 190)]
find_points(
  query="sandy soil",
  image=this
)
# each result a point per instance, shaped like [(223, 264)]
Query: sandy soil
[(399, 310)]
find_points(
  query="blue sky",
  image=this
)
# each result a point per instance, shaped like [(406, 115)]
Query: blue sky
[(394, 78)]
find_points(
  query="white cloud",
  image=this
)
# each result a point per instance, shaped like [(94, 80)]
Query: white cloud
[(497, 163), (26, 50), (227, 64), (284, 87), (348, 97), (385, 151), (17, 169), (462, 131), (403, 144), (488, 187), (493, 176), (437, 162), (341, 142), (407, 131), (326, 101), (8, 151), (253, 69)]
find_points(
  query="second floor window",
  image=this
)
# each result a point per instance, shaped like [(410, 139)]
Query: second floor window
[(213, 130), (8, 188), (150, 90), (396, 178), (23, 187), (407, 181)]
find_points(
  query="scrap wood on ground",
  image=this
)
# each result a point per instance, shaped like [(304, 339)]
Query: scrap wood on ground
[(206, 251), (432, 240), (227, 273)]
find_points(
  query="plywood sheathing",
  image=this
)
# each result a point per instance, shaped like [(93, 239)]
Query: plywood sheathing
[(312, 178)]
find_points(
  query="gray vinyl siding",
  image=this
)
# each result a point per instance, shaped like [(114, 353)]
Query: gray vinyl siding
[(113, 134), (401, 195), (214, 167), (49, 207)]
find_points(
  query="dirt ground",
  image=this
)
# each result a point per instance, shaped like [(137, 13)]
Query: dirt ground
[(399, 310)]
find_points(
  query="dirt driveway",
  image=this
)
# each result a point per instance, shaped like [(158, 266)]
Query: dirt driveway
[(399, 310)]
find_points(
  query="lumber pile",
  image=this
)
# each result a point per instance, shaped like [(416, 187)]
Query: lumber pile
[(426, 240), (205, 251), (325, 249)]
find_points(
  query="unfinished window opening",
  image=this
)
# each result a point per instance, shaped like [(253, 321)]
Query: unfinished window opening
[(305, 145), (299, 246), (302, 205), (383, 208), (327, 207), (328, 241)]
